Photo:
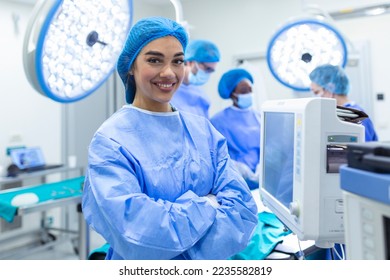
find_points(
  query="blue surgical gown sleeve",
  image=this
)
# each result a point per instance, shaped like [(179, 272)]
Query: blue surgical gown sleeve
[(370, 133), (236, 217), (137, 226)]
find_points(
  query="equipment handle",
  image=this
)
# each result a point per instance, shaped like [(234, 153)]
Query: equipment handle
[(376, 161)]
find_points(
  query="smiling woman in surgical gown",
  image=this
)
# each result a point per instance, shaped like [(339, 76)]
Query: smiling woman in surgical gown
[(160, 183)]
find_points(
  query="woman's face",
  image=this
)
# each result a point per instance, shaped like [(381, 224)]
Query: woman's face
[(158, 72), (243, 87)]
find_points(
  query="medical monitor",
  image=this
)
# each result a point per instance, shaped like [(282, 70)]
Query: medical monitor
[(25, 158), (303, 144)]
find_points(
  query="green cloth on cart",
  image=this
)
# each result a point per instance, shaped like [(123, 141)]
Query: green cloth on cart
[(268, 233), (99, 253), (50, 191)]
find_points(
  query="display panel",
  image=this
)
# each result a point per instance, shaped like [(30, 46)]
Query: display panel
[(279, 155), (27, 158)]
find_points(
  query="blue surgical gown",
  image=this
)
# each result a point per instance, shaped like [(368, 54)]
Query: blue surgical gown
[(192, 99), (146, 180), (241, 127), (370, 134)]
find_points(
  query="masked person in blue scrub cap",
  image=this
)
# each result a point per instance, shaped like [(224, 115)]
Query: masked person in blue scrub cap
[(240, 124), (332, 82), (160, 183), (201, 59)]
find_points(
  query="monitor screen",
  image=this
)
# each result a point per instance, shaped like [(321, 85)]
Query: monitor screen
[(27, 158), (279, 155)]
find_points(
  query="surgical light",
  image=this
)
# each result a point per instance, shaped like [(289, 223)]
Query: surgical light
[(298, 47), (71, 47)]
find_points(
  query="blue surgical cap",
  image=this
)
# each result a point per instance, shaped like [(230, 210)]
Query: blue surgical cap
[(141, 34), (332, 78), (230, 80), (202, 51)]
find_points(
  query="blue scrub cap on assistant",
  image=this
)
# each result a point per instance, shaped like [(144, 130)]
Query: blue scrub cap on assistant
[(332, 78), (141, 34), (230, 80), (202, 51)]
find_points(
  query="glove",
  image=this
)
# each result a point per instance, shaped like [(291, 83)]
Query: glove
[(257, 171), (246, 172)]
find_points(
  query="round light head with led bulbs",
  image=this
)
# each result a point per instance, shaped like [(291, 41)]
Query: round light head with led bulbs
[(299, 47), (71, 47)]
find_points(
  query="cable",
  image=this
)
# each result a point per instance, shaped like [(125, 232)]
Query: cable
[(337, 253), (331, 253), (300, 255), (342, 251)]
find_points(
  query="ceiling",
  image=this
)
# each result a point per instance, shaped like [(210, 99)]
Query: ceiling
[(155, 2)]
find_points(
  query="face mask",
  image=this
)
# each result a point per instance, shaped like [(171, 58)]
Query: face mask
[(200, 78), (244, 100)]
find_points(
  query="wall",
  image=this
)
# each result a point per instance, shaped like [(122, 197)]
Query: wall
[(375, 30), (26, 116)]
